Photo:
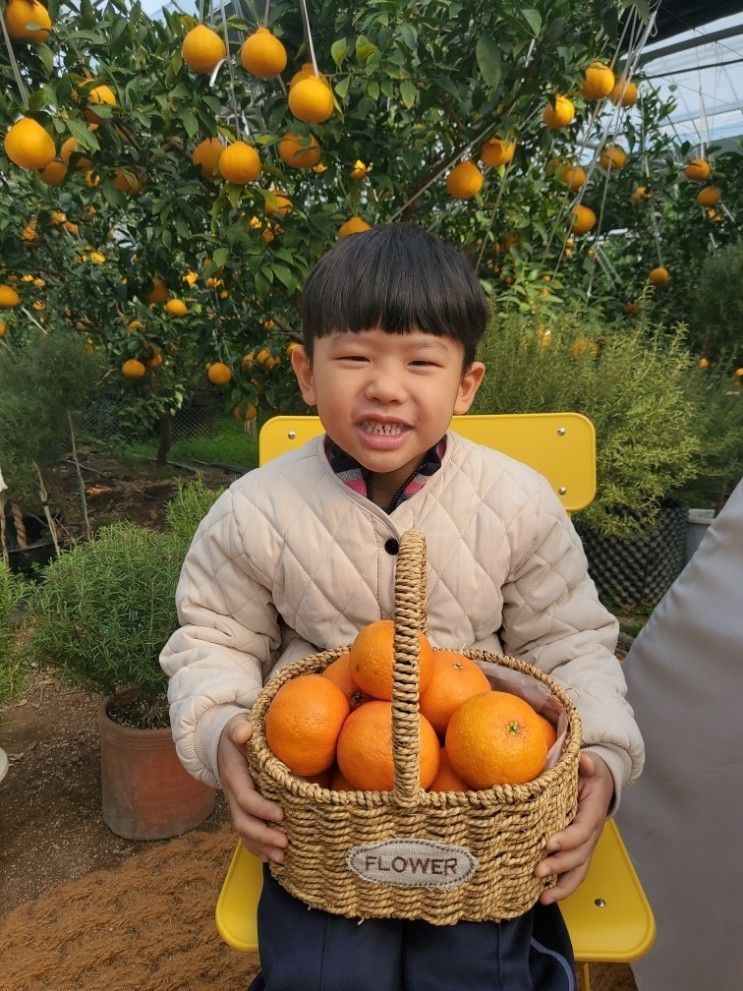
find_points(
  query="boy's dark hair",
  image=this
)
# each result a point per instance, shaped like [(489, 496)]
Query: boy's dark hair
[(397, 278)]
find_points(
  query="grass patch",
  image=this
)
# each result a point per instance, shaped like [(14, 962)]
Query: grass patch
[(229, 443)]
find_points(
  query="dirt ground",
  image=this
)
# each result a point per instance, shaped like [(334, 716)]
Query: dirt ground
[(51, 826), (114, 492)]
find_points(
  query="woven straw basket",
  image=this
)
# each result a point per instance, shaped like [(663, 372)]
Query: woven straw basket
[(408, 853)]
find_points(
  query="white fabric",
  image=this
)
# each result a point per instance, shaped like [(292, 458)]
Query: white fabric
[(683, 823), (291, 560)]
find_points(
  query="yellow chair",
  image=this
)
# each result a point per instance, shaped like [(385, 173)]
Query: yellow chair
[(608, 917)]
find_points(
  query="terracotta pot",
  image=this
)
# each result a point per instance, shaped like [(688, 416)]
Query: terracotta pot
[(146, 792)]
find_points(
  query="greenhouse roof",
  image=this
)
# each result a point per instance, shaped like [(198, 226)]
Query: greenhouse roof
[(699, 65), (675, 16)]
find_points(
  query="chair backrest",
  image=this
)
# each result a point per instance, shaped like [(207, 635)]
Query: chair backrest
[(561, 446)]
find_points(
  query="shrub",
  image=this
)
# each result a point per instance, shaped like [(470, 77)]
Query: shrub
[(184, 512), (43, 380), (106, 609), (717, 315), (719, 398), (13, 591), (631, 383)]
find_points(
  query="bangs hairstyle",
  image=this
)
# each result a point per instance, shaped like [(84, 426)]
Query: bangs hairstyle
[(397, 278)]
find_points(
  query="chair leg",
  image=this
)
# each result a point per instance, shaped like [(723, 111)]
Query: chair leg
[(585, 977)]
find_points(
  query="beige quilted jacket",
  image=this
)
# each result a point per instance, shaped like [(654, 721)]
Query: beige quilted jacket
[(290, 560)]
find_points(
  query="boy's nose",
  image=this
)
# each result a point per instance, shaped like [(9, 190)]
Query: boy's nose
[(385, 387)]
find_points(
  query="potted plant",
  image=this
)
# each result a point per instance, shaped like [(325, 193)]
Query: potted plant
[(632, 382), (100, 618)]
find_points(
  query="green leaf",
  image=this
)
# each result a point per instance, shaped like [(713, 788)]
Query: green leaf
[(233, 194), (190, 123), (42, 97), (386, 86), (364, 48), (488, 61), (47, 57), (220, 256), (338, 51), (341, 87), (409, 36), (82, 134), (534, 19), (408, 93), (372, 90), (284, 275)]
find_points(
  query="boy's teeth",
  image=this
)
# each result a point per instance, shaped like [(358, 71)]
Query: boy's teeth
[(383, 428)]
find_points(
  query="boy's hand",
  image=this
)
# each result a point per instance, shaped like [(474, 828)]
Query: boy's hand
[(252, 814), (569, 852)]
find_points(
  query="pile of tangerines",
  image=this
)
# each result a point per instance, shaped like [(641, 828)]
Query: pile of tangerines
[(335, 728)]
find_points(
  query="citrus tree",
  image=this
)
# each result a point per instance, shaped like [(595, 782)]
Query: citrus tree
[(167, 182)]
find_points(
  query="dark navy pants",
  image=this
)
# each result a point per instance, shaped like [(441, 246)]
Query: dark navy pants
[(304, 949)]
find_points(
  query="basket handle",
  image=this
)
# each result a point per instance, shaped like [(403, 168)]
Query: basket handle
[(410, 621)]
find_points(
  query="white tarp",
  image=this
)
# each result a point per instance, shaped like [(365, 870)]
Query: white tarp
[(683, 820)]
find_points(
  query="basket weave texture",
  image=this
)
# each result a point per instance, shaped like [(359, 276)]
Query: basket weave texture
[(500, 833)]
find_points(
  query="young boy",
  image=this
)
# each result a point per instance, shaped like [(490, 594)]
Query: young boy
[(298, 555)]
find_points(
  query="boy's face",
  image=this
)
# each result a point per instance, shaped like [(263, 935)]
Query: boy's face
[(385, 399)]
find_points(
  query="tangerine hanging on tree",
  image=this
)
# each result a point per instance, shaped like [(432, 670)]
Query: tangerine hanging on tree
[(354, 225), (206, 155), (613, 157), (598, 81), (497, 151), (584, 219), (311, 100), (624, 93), (239, 163), (574, 177), (263, 55), (28, 145), (465, 180), (659, 275), (203, 49), (27, 20), (299, 151), (560, 115), (709, 196), (698, 170)]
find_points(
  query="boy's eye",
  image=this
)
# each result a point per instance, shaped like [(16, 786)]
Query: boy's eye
[(424, 364), (352, 357)]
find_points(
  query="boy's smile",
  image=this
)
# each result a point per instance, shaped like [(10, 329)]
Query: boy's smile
[(386, 399)]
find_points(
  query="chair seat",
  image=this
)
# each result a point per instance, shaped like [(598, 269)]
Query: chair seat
[(608, 917)]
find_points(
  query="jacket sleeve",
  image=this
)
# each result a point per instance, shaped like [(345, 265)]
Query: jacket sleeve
[(219, 657), (553, 618)]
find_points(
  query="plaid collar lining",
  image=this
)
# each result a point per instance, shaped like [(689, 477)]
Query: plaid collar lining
[(358, 478)]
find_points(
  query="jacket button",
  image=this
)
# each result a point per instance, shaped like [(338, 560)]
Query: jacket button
[(391, 546)]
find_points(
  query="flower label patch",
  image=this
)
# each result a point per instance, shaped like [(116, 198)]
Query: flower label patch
[(412, 863)]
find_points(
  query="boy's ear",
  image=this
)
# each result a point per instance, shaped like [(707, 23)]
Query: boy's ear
[(302, 367), (468, 386)]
